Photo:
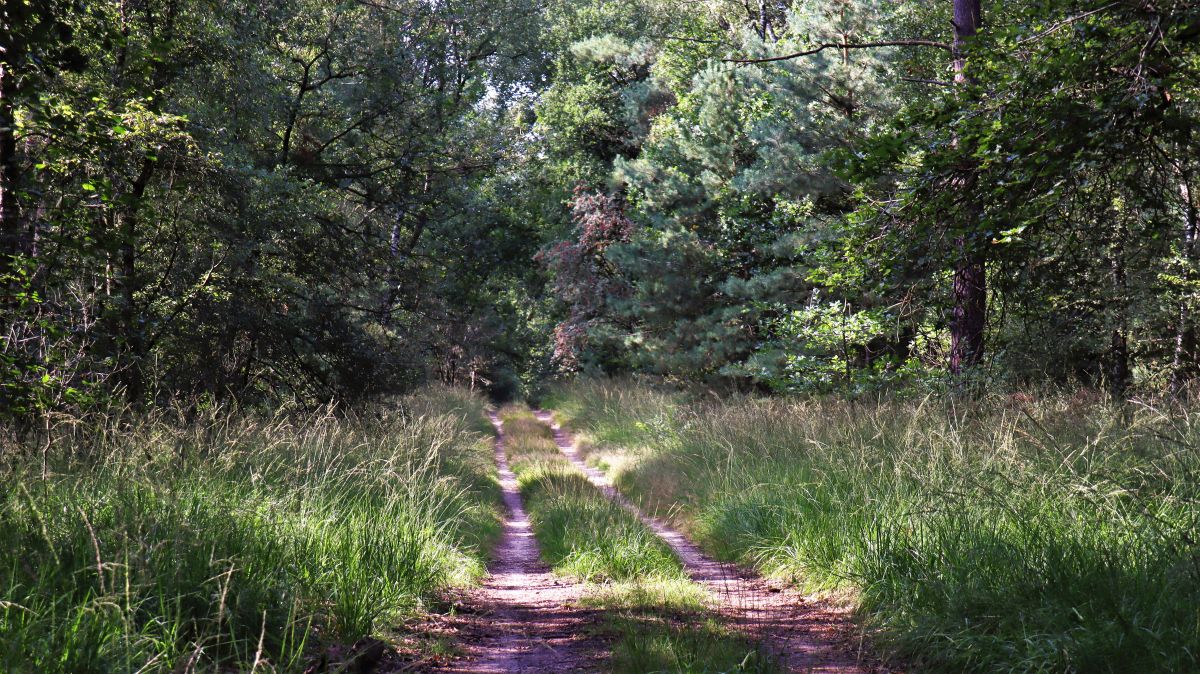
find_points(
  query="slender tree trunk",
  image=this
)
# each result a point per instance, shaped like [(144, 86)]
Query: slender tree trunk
[(10, 212), (1183, 366), (970, 273), (970, 310), (398, 256), (131, 281), (1118, 371), (131, 319)]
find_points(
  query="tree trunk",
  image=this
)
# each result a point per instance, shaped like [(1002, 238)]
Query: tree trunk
[(970, 310), (1183, 366), (967, 20), (131, 319), (1118, 371), (399, 257), (10, 212), (970, 273)]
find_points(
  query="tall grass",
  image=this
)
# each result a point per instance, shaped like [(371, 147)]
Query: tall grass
[(1057, 534), (240, 542)]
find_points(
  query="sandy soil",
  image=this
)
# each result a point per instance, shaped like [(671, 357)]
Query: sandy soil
[(805, 635), (524, 618)]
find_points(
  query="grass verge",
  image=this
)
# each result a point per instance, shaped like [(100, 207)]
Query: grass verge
[(1019, 535), (236, 542)]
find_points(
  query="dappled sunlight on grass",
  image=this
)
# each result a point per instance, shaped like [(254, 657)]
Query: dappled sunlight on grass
[(674, 595), (668, 626)]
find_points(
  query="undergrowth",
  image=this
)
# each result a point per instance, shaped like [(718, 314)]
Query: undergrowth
[(1017, 534), (240, 542)]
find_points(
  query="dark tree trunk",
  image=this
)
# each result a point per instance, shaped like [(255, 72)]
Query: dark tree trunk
[(10, 227), (1118, 371), (131, 280), (970, 310), (10, 212), (131, 319), (970, 273), (1118, 354)]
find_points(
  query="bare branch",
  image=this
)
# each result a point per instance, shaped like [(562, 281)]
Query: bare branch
[(837, 45), (1065, 22)]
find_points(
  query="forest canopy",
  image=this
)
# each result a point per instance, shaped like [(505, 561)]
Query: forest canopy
[(212, 201)]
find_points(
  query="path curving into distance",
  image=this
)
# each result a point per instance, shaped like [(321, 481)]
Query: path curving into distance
[(527, 618), (804, 635)]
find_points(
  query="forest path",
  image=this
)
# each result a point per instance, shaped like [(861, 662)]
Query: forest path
[(804, 635), (524, 618)]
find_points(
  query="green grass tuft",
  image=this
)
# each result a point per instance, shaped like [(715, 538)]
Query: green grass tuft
[(668, 626)]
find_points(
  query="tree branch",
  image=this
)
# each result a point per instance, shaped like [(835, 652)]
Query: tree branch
[(837, 45), (1065, 22), (920, 80)]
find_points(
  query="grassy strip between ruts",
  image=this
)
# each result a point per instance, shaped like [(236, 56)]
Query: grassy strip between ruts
[(660, 620), (1054, 534), (242, 543)]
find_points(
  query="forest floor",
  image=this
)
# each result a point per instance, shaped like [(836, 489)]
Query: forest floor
[(525, 618)]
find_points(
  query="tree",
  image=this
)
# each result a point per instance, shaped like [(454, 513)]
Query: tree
[(970, 273), (34, 43)]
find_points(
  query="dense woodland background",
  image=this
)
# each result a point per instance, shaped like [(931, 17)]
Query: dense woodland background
[(895, 299), (210, 201)]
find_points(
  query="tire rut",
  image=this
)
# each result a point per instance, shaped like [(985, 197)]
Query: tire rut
[(804, 635), (524, 618)]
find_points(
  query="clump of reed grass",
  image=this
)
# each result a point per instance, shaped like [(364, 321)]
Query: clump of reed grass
[(236, 540), (1022, 533)]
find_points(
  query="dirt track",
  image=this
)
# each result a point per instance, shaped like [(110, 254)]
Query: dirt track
[(526, 619), (805, 636)]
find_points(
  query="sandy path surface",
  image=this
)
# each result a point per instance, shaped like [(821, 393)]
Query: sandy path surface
[(524, 618), (804, 635)]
